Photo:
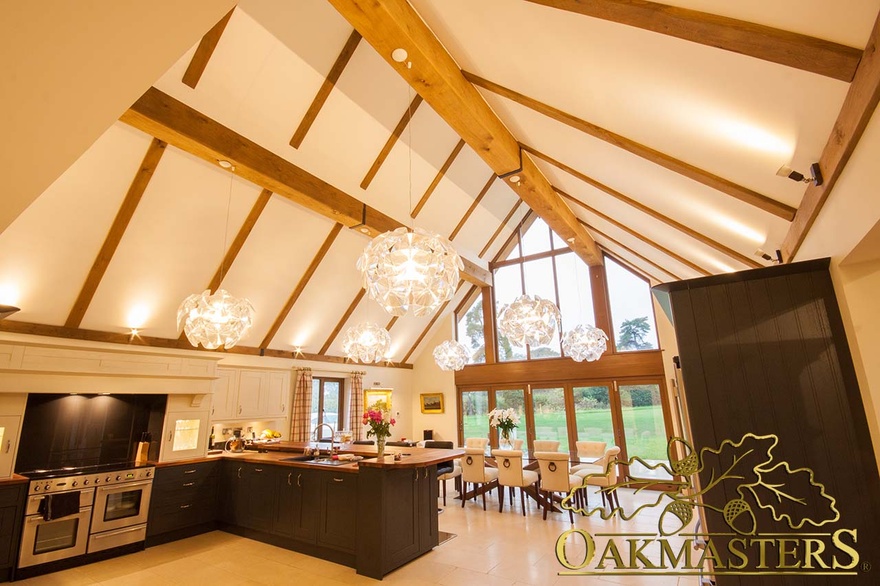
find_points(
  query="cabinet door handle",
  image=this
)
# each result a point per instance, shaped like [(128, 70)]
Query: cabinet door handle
[(189, 483), (298, 479), (426, 473), (185, 506), (239, 409), (338, 480), (239, 471), (170, 435), (8, 445), (282, 407), (212, 409), (189, 471), (416, 475), (289, 474), (258, 469)]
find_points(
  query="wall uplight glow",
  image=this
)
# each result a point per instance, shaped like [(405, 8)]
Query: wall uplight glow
[(738, 227), (137, 316), (754, 137), (10, 294)]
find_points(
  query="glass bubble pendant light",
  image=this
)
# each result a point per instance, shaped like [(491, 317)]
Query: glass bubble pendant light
[(366, 342), (585, 342), (451, 355)]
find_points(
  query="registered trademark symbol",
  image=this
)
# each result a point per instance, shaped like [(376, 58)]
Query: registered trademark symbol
[(866, 566)]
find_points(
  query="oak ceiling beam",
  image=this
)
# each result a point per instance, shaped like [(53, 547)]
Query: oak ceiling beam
[(708, 179), (204, 51), (437, 178), (35, 329), (391, 24), (749, 262), (175, 123), (746, 38), (639, 236), (473, 206), (858, 107), (303, 281), (324, 91), (619, 244), (392, 140), (114, 236)]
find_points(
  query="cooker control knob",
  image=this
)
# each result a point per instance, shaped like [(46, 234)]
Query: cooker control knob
[(107, 479), (47, 487), (118, 478), (149, 473), (97, 480), (37, 488), (85, 482), (74, 483)]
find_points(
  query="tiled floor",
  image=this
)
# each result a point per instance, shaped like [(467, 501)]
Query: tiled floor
[(490, 549)]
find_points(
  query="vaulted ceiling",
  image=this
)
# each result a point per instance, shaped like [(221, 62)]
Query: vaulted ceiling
[(651, 132)]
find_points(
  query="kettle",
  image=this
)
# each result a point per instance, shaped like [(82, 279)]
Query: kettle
[(234, 444)]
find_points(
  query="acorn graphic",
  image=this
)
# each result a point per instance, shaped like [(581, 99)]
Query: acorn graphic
[(739, 516), (687, 465), (675, 517)]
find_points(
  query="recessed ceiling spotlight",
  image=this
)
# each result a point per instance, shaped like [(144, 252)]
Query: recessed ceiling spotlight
[(515, 179), (570, 240), (399, 54), (365, 230)]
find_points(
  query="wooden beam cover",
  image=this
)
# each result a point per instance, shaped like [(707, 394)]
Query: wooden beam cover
[(473, 206), (440, 174), (34, 329), (391, 24), (203, 53), (858, 107), (117, 230), (303, 281), (749, 262), (755, 40), (392, 140), (172, 121), (325, 89), (741, 193)]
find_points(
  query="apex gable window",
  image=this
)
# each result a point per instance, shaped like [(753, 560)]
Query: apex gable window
[(632, 311)]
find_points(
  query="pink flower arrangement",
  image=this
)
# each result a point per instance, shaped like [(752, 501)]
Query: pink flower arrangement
[(378, 417)]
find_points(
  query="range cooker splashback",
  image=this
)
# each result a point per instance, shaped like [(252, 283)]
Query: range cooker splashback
[(86, 430)]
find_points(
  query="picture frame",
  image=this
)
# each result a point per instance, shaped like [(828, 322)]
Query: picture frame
[(431, 402), (373, 395)]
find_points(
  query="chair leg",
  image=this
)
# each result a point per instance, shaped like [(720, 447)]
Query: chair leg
[(444, 493), (522, 500), (571, 516), (463, 493), (484, 498), (548, 498), (500, 500)]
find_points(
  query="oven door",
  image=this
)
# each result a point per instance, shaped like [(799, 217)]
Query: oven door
[(121, 506), (47, 541)]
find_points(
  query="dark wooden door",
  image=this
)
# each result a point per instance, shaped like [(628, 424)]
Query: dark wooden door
[(764, 352), (338, 523), (257, 497), (299, 500)]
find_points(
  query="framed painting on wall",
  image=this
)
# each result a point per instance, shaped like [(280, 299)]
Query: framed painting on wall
[(431, 402), (373, 395)]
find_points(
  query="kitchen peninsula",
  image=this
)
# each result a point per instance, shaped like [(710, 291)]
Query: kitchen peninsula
[(369, 515)]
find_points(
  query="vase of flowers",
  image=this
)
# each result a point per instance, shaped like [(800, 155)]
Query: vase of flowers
[(506, 420), (378, 417)]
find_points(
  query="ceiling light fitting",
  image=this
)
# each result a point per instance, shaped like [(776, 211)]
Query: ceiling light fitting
[(451, 355), (815, 174), (219, 319), (7, 310), (366, 342), (585, 342), (529, 320)]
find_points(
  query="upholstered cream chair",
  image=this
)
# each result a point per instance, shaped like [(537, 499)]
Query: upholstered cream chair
[(589, 453), (446, 470), (605, 474), (517, 444), (555, 478), (545, 446), (475, 471), (512, 475), (476, 442)]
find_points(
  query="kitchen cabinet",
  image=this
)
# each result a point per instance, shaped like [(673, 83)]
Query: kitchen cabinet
[(337, 528), (249, 495), (184, 499), (405, 522), (251, 394), (9, 428), (12, 503), (298, 493)]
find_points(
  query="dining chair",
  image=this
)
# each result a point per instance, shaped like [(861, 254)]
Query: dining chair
[(603, 473), (445, 470), (475, 471), (476, 442), (545, 446), (512, 475), (588, 453), (517, 444), (555, 478)]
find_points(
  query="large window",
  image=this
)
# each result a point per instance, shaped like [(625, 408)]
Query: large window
[(326, 404), (469, 331), (632, 311)]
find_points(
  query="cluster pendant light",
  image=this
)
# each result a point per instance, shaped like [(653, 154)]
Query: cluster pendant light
[(366, 342), (451, 355), (529, 320), (219, 319), (585, 342)]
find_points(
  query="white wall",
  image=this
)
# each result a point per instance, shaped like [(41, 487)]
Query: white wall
[(428, 378)]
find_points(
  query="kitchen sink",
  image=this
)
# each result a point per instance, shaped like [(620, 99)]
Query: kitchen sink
[(314, 460), (302, 458)]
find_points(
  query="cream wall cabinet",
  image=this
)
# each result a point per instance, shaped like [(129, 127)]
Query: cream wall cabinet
[(241, 393), (9, 430)]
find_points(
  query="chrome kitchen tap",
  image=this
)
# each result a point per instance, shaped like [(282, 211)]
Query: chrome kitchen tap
[(332, 439)]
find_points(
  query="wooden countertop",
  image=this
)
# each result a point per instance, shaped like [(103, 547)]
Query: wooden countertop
[(275, 454)]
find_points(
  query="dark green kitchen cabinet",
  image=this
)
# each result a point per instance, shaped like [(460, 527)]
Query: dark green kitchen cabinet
[(184, 499), (249, 491), (297, 506), (12, 503), (337, 527)]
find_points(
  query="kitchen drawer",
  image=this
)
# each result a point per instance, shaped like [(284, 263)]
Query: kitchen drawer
[(172, 475), (171, 517), (183, 492)]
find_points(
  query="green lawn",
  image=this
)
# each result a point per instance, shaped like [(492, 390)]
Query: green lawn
[(645, 435)]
